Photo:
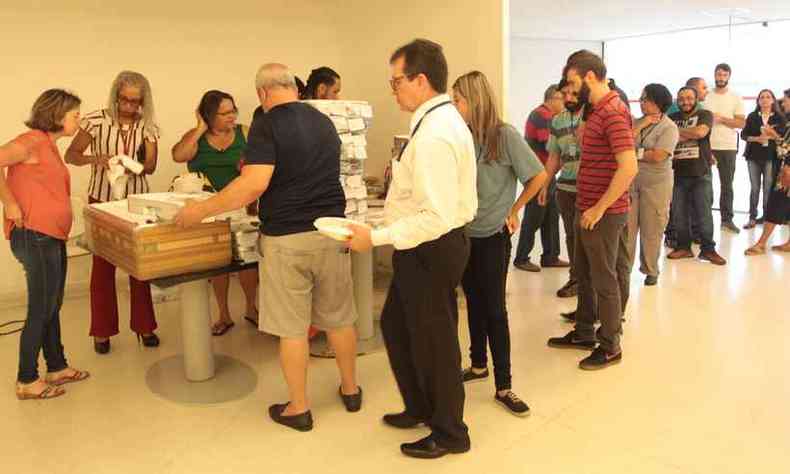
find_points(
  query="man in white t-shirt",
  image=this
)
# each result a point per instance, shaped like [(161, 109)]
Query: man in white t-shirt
[(728, 117)]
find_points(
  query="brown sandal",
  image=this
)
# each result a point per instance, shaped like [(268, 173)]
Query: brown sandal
[(77, 376), (755, 250), (781, 248), (50, 391)]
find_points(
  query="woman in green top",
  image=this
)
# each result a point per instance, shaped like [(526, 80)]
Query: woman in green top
[(215, 147)]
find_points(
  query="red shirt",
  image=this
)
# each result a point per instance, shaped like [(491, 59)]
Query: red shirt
[(43, 189), (608, 131), (537, 131)]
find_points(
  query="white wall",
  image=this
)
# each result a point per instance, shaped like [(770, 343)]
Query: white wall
[(534, 65), (186, 49)]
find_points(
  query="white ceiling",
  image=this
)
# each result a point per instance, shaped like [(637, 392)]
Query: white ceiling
[(610, 19)]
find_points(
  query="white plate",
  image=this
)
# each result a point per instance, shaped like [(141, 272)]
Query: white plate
[(335, 227)]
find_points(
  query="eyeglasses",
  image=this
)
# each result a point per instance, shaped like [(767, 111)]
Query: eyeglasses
[(128, 101), (395, 81)]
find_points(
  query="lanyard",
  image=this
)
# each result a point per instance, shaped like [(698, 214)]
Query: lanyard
[(643, 136), (417, 127)]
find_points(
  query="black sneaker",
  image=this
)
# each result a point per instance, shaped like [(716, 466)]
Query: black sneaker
[(513, 404), (470, 375), (600, 359), (570, 341)]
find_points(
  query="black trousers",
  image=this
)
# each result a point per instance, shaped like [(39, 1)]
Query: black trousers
[(419, 323), (484, 285)]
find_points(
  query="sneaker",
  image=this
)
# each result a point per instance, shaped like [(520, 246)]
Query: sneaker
[(469, 375), (527, 266), (569, 290), (712, 257), (651, 280), (569, 317), (677, 254), (513, 404), (730, 227), (600, 359), (571, 341)]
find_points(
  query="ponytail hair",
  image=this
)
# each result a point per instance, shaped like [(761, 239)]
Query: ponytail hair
[(322, 75)]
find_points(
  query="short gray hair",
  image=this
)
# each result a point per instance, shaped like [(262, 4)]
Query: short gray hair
[(274, 75), (549, 94)]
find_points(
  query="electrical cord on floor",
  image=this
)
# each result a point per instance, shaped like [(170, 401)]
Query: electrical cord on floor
[(13, 331)]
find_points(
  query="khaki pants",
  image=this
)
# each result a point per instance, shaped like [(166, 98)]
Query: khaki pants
[(651, 195)]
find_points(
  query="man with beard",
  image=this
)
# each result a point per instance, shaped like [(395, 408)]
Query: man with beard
[(728, 115), (564, 151), (691, 164), (607, 167), (701, 87)]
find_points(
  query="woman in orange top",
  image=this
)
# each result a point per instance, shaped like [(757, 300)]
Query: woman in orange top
[(37, 220)]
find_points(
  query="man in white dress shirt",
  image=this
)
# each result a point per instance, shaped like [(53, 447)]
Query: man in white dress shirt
[(432, 197)]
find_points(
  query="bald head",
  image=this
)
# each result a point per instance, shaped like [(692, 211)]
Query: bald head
[(275, 85)]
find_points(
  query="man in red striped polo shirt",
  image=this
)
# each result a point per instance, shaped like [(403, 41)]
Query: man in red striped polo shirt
[(607, 167)]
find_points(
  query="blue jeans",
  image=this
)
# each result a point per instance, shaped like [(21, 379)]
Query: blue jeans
[(691, 202), (44, 260), (761, 175), (547, 219)]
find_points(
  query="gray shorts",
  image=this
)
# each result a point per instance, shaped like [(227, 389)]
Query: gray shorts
[(305, 279)]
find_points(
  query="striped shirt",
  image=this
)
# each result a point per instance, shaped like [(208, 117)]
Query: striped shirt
[(536, 131), (111, 138), (608, 131)]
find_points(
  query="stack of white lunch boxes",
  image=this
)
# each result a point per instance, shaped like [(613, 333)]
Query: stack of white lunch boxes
[(352, 120)]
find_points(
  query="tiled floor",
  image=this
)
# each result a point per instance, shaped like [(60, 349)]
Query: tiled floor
[(703, 388)]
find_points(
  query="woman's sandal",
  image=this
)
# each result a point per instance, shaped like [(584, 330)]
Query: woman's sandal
[(755, 250), (221, 327), (781, 248), (50, 391), (76, 376)]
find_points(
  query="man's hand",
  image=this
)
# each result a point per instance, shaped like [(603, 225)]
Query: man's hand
[(543, 195), (191, 215), (360, 241), (14, 213), (590, 217)]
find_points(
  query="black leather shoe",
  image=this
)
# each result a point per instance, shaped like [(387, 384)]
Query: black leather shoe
[(300, 422), (427, 448), (353, 403), (402, 420), (101, 347), (149, 341)]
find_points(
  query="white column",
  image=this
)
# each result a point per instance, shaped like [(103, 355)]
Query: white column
[(196, 328)]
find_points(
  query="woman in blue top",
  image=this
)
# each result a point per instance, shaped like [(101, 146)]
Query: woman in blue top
[(215, 147), (503, 158)]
